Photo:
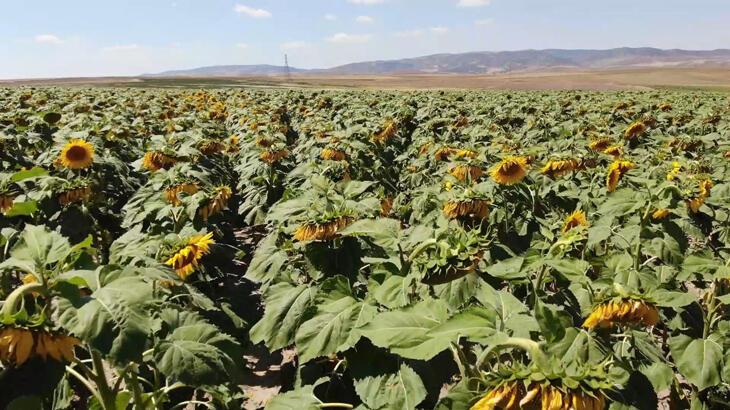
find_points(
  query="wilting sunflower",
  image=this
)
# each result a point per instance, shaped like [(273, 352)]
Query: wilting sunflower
[(185, 260), (674, 172), (388, 131), (600, 144), (172, 193), (217, 203), (17, 345), (76, 154), (386, 205), (510, 170), (156, 160), (273, 156), (615, 151), (233, 142), (333, 154), (461, 172), (635, 130), (558, 168), (705, 190), (660, 214), (514, 396), (211, 147), (6, 203), (470, 208), (665, 106), (321, 231), (81, 194), (616, 170), (574, 220), (625, 312), (465, 153), (443, 153)]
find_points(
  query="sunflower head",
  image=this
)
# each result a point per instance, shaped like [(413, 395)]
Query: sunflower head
[(616, 170), (217, 203), (156, 160), (476, 209), (186, 258), (615, 151), (624, 312), (558, 168), (660, 214), (18, 345), (600, 144), (77, 154), (635, 130), (574, 220), (6, 203), (321, 231), (273, 156), (514, 395), (333, 154), (510, 170), (462, 172)]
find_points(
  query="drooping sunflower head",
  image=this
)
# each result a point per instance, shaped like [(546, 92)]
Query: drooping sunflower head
[(211, 147), (156, 160), (462, 172), (635, 130), (615, 151), (77, 154), (321, 231), (333, 154), (623, 312), (510, 170), (18, 345), (514, 395), (600, 144), (388, 131), (661, 213), (665, 106), (217, 203), (75, 195), (559, 167), (474, 208), (272, 156), (172, 194), (675, 171), (574, 220), (616, 170), (186, 258), (6, 202)]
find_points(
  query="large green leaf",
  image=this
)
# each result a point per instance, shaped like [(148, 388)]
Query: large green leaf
[(286, 309), (699, 360), (402, 390), (477, 324)]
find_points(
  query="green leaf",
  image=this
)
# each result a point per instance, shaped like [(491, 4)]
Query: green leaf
[(476, 323), (508, 269), (573, 270), (25, 403), (26, 174), (195, 355), (41, 246), (286, 309), (672, 299), (300, 399), (384, 232), (660, 375), (406, 332), (394, 292), (459, 397), (402, 390), (267, 262), (22, 209), (699, 360)]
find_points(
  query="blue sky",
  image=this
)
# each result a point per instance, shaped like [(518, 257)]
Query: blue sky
[(51, 38)]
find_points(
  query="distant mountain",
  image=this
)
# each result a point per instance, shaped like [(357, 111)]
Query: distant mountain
[(487, 62)]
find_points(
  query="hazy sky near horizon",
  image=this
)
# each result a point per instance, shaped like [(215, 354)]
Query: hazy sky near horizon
[(52, 38)]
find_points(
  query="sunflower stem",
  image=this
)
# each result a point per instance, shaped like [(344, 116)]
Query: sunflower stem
[(16, 296)]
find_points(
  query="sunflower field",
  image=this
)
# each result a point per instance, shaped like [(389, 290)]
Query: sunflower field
[(369, 250)]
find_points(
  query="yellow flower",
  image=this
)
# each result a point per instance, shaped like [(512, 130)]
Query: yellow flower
[(705, 188), (510, 170), (389, 130), (674, 173), (75, 195), (17, 345), (333, 154), (557, 168), (615, 151), (172, 193), (635, 130), (665, 106), (625, 312), (185, 260), (600, 144), (6, 203), (461, 172), (210, 147), (443, 153), (574, 220), (77, 154), (471, 208), (465, 153), (155, 160), (217, 204), (660, 214), (514, 396), (326, 231), (273, 156), (616, 170), (386, 205)]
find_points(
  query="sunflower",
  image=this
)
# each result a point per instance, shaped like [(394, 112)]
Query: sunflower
[(697, 202), (6, 203), (217, 204), (665, 106), (558, 168), (263, 142), (443, 153), (624, 312), (325, 231), (674, 173), (211, 147), (273, 156), (635, 130), (470, 208), (386, 205), (616, 170), (17, 345), (514, 396), (660, 214), (389, 130), (76, 154), (333, 154), (461, 172), (465, 153), (156, 160), (81, 194), (615, 151), (574, 220), (185, 260), (172, 193), (600, 144), (510, 170)]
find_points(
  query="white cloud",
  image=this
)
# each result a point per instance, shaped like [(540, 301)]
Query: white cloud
[(409, 34), (241, 46), (484, 22), (439, 30), (344, 38), (330, 17), (364, 19), (47, 39), (293, 45), (366, 2), (252, 12), (473, 3), (122, 47)]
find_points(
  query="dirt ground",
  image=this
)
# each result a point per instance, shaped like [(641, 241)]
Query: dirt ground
[(623, 79)]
